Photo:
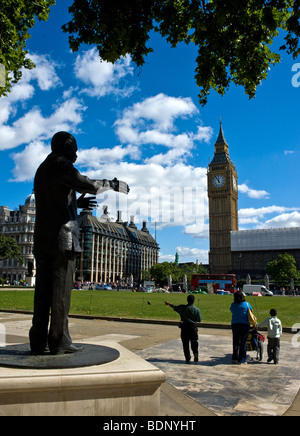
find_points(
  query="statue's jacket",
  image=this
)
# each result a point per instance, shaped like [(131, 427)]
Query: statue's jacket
[(56, 183)]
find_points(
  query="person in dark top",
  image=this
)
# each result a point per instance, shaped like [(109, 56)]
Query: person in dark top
[(190, 316), (56, 241)]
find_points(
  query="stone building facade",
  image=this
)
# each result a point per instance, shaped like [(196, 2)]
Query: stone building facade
[(19, 224)]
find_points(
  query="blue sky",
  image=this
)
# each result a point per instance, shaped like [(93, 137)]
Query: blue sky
[(145, 126)]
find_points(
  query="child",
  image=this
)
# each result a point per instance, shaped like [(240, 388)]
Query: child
[(274, 333)]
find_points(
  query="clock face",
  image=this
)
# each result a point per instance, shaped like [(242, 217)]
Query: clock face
[(218, 181)]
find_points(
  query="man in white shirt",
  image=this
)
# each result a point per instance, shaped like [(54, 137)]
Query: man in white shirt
[(274, 333)]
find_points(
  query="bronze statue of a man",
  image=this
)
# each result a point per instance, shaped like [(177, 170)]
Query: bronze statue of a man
[(56, 241)]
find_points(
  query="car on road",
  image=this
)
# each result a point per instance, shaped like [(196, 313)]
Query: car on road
[(250, 289), (222, 292), (103, 288)]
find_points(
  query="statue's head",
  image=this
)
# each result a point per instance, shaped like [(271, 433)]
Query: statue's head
[(64, 144)]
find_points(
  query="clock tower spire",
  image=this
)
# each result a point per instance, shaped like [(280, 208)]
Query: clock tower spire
[(223, 210), (221, 145)]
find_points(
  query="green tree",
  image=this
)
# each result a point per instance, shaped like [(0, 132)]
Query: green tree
[(17, 17), (161, 272), (283, 269), (297, 278), (10, 248), (146, 275), (233, 37), (192, 268)]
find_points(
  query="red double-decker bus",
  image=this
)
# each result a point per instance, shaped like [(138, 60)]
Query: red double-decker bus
[(227, 282)]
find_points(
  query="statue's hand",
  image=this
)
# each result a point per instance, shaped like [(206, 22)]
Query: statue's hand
[(86, 203), (119, 186)]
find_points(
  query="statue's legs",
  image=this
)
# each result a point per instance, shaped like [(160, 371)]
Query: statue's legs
[(53, 290)]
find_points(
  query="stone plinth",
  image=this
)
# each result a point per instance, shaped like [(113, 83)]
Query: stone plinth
[(128, 386)]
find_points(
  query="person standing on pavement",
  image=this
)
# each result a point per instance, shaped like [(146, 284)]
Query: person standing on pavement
[(190, 316), (240, 327), (274, 332)]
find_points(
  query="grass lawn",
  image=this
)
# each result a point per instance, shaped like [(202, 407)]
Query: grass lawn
[(214, 308)]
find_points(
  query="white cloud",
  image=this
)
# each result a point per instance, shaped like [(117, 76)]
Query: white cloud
[(44, 72), (283, 220), (250, 220), (170, 195), (180, 145), (166, 257), (152, 122), (159, 112), (34, 126), (46, 78), (262, 211), (203, 134), (27, 161), (198, 230), (257, 218), (252, 193), (163, 188), (186, 254), (192, 253), (101, 77), (96, 157)]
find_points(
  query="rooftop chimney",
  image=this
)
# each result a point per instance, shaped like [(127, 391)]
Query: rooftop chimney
[(132, 222), (119, 219), (144, 229)]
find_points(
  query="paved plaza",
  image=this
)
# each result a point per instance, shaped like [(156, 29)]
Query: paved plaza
[(211, 387)]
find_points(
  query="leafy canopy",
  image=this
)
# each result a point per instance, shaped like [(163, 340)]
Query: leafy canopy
[(17, 17), (161, 271), (283, 269), (233, 37)]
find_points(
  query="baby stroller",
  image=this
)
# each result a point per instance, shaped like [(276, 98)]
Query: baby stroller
[(255, 342)]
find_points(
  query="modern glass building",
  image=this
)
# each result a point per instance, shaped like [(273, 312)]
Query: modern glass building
[(113, 251)]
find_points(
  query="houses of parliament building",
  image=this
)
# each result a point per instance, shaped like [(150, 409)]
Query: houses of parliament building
[(235, 251)]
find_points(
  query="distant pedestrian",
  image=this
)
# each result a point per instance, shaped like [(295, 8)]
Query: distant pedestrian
[(274, 333), (240, 327), (190, 315)]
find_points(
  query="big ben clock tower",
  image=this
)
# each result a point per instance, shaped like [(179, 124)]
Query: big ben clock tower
[(223, 209)]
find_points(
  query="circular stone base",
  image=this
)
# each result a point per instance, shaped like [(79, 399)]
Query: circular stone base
[(18, 356)]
